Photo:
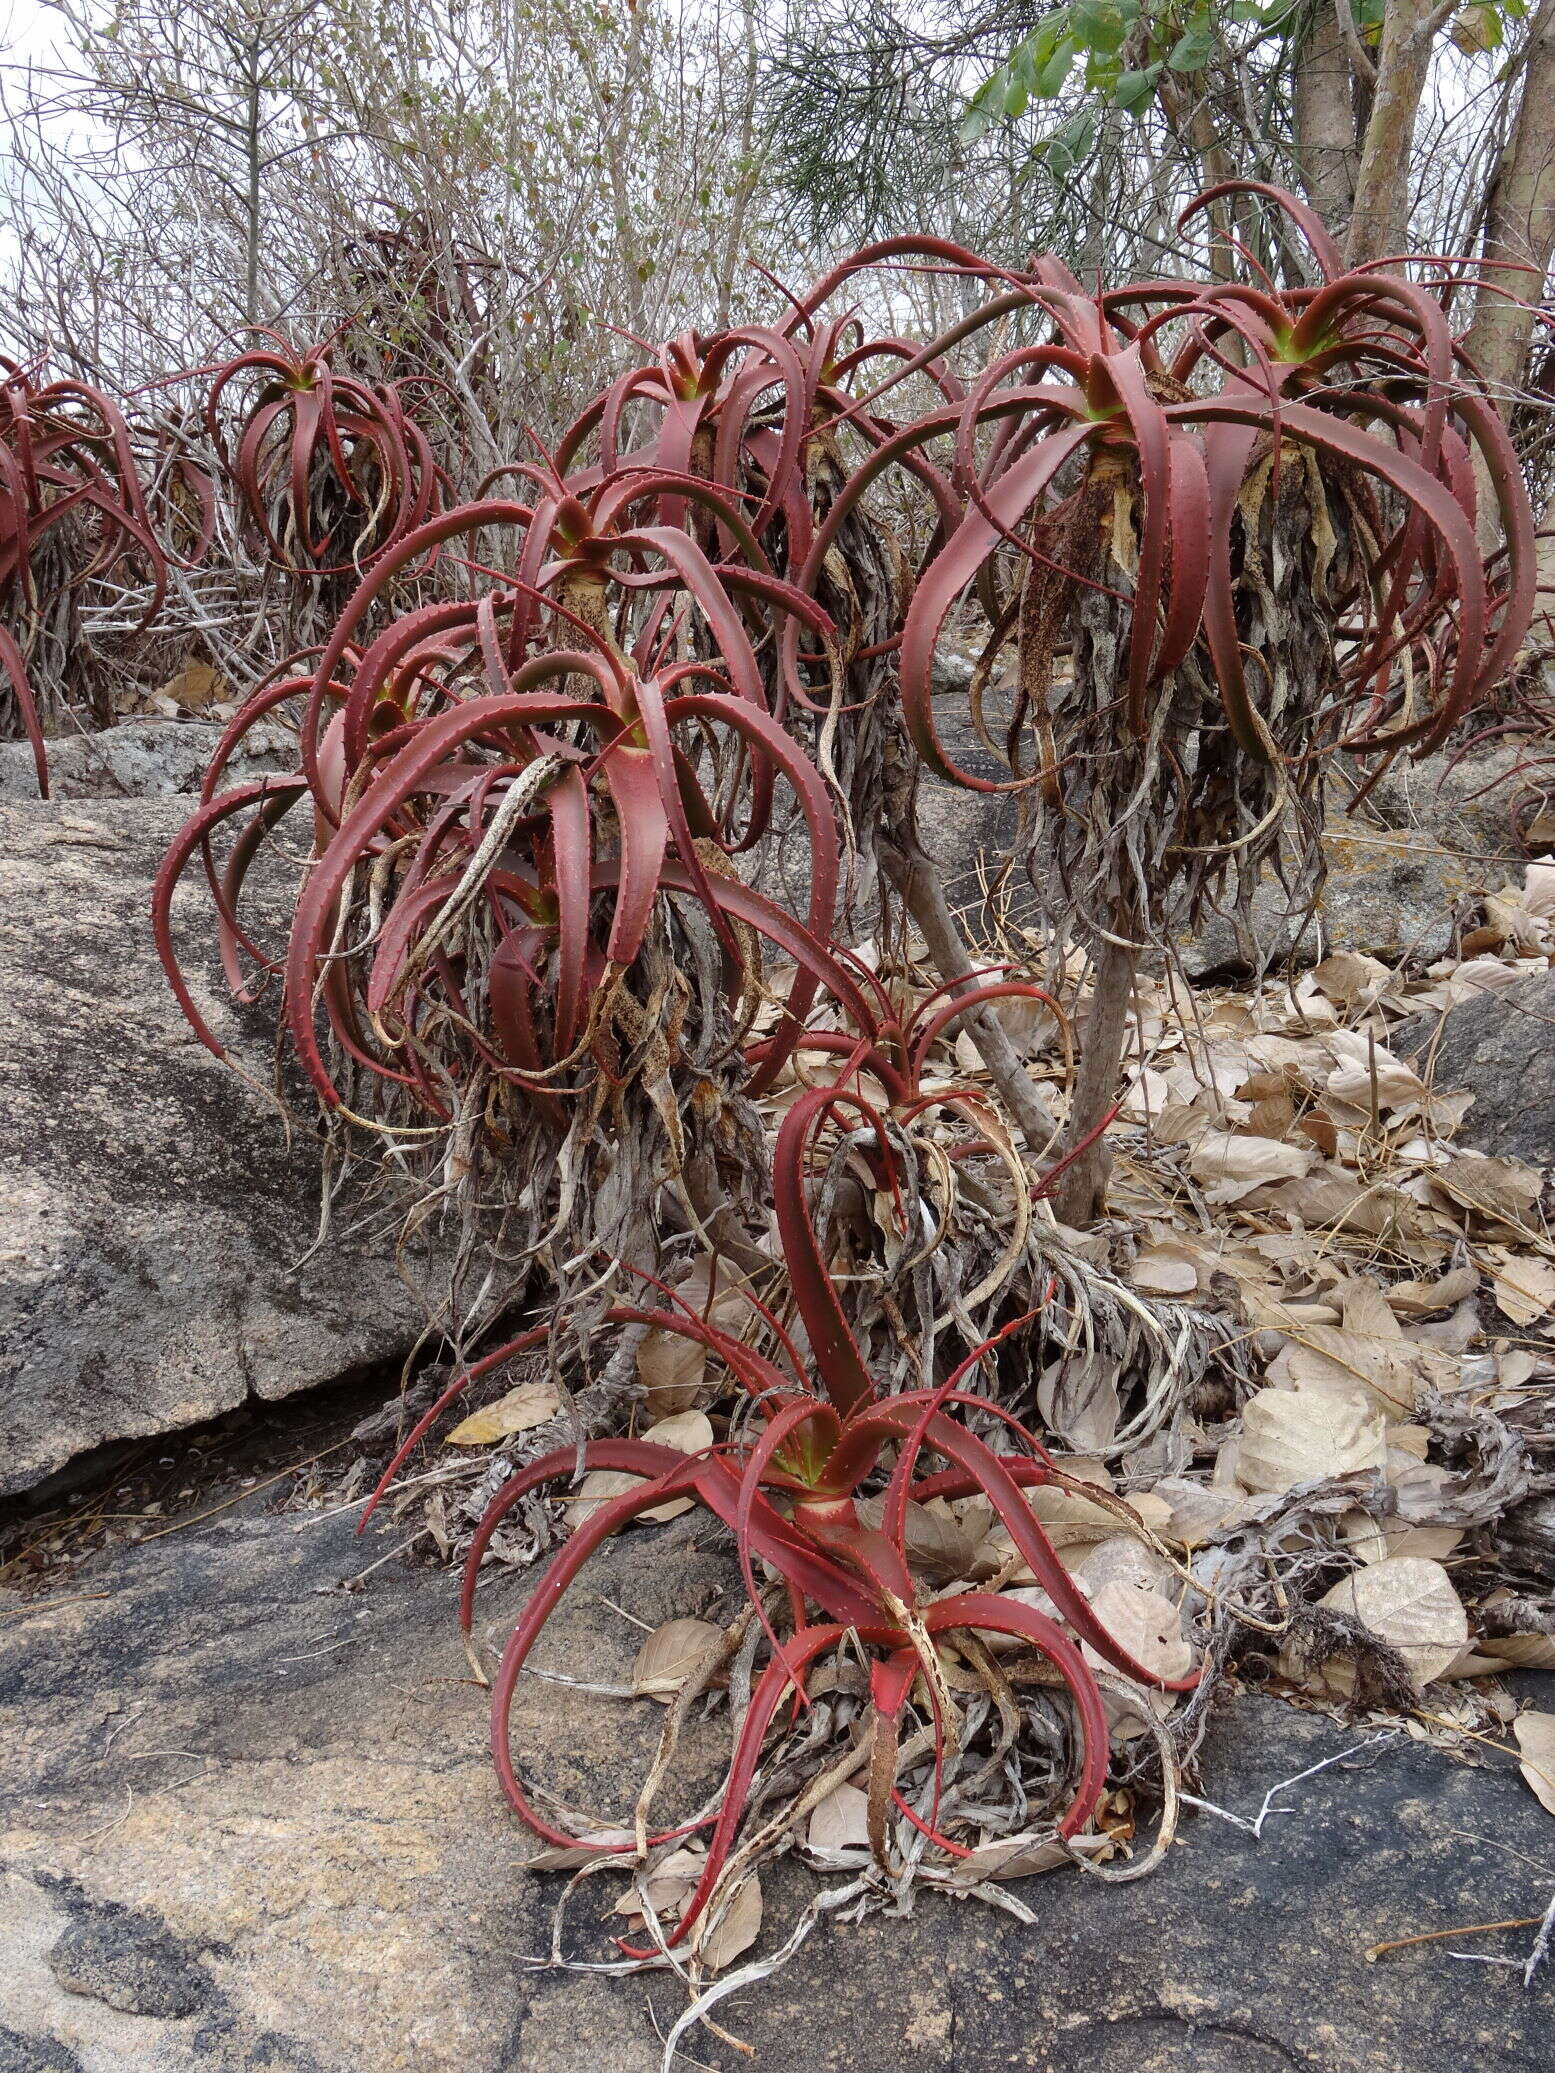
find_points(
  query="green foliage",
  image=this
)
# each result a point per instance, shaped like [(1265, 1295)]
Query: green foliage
[(1128, 53)]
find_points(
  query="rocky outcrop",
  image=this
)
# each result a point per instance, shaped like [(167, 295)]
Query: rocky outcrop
[(1503, 1046), (248, 1825), (138, 759), (1403, 869), (157, 1256)]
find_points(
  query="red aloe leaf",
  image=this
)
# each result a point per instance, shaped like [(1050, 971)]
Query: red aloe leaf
[(956, 566), (644, 826), (984, 1611), (13, 667), (191, 837), (842, 1368)]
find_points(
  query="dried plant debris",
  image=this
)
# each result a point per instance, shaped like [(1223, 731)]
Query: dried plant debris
[(1300, 1379)]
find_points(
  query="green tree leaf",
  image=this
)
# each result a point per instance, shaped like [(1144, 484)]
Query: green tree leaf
[(1195, 48), (1051, 79), (1066, 149), (1134, 90)]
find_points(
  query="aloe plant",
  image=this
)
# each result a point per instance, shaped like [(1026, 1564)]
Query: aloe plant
[(789, 1493), (330, 470), (1245, 518), (72, 507), (1227, 531), (496, 937)]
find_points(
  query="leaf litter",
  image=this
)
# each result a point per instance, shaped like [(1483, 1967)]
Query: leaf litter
[(1326, 1475)]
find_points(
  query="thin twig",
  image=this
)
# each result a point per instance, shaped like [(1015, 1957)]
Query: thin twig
[(1254, 1827), (1402, 1943)]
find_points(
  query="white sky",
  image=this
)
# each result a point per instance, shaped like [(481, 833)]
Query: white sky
[(30, 33)]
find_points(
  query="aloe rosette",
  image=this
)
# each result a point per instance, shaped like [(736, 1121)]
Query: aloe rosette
[(69, 483), (790, 1498), (331, 470)]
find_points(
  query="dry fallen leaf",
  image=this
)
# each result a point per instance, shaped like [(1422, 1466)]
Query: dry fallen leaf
[(1078, 1399), (670, 1884), (673, 1368), (1011, 1857), (1496, 1190), (1352, 980), (840, 1821), (1028, 1023), (570, 1858), (597, 1488), (935, 1539), (669, 1655), (521, 1410), (1124, 1560), (1197, 1510), (1165, 1269), (688, 1432), (1521, 1651), (1468, 1662), (1412, 1300), (718, 1943), (1524, 1285), (1230, 1166), (1374, 1540), (1392, 1370), (1535, 1734), (1292, 1436), (1144, 1623), (195, 687), (1407, 1601), (1069, 1519), (1366, 1072), (998, 1644)]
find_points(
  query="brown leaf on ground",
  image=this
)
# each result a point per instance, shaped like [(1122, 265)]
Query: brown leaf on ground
[(1535, 1733), (1495, 1191), (840, 1821), (521, 1410), (669, 1655), (1523, 1284), (1408, 1602), (1292, 1436), (719, 1942)]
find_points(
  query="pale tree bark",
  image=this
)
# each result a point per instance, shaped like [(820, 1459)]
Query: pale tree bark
[(1326, 138), (1520, 220), (749, 163), (1081, 1194), (1195, 127), (1379, 225)]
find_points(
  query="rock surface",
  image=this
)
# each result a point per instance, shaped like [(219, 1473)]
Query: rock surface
[(153, 1223), (1501, 1046), (1412, 858), (283, 1785), (1402, 870), (128, 1961), (137, 759)]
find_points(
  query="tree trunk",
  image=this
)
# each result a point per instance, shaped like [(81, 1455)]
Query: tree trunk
[(1326, 144), (1380, 223), (253, 152), (1195, 127), (1081, 1193), (919, 887), (1519, 221)]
